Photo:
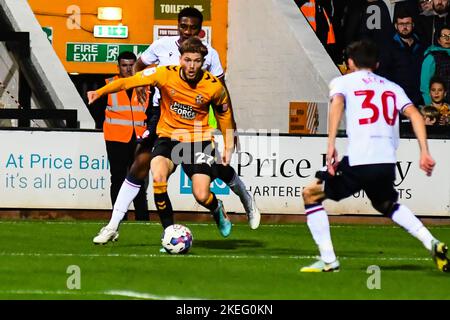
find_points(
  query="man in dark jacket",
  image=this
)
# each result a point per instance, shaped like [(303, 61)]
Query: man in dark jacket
[(404, 61)]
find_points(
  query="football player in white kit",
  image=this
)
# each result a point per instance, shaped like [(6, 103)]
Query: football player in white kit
[(165, 51), (371, 105)]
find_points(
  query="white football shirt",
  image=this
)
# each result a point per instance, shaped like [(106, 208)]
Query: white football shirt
[(372, 106), (164, 52)]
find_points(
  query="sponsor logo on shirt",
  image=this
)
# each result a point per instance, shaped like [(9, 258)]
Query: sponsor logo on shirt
[(183, 110)]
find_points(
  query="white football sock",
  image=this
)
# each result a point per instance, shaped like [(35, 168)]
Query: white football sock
[(408, 221), (239, 189), (128, 191), (317, 220)]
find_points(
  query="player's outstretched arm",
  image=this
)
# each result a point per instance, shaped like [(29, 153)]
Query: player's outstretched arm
[(427, 163), (140, 91), (335, 116), (139, 79), (113, 86), (92, 96)]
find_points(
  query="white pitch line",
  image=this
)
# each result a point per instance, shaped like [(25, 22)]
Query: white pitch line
[(157, 224), (191, 256), (146, 296), (119, 293)]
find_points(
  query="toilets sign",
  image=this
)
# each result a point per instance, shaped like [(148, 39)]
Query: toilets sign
[(100, 52), (169, 9)]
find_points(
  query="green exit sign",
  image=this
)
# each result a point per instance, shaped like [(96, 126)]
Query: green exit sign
[(100, 52), (119, 32)]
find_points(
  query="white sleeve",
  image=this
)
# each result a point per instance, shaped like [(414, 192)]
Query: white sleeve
[(216, 66), (149, 56), (337, 87), (402, 99)]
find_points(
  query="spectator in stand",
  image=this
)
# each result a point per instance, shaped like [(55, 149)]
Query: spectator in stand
[(438, 92), (430, 115), (426, 7), (427, 26), (405, 57), (436, 62)]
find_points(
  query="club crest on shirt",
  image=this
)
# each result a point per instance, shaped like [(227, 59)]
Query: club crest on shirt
[(199, 99)]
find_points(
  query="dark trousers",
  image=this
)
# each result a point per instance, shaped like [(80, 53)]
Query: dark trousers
[(121, 157)]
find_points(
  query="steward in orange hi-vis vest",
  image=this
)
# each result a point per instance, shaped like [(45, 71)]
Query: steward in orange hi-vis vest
[(123, 117), (309, 11), (184, 109)]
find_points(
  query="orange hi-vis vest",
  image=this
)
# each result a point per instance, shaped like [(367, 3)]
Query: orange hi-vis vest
[(124, 117), (309, 11)]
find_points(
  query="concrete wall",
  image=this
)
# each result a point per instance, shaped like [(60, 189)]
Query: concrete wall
[(46, 67), (274, 57)]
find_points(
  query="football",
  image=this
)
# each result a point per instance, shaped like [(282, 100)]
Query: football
[(177, 239)]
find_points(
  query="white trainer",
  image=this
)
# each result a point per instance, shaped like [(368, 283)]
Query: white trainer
[(105, 235), (321, 266), (253, 214)]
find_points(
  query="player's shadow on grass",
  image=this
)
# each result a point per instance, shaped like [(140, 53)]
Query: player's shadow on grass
[(228, 244)]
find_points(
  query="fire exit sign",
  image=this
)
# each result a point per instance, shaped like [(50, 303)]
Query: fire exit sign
[(119, 32), (100, 52)]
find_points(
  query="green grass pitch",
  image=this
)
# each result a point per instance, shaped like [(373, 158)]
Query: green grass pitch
[(35, 260)]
